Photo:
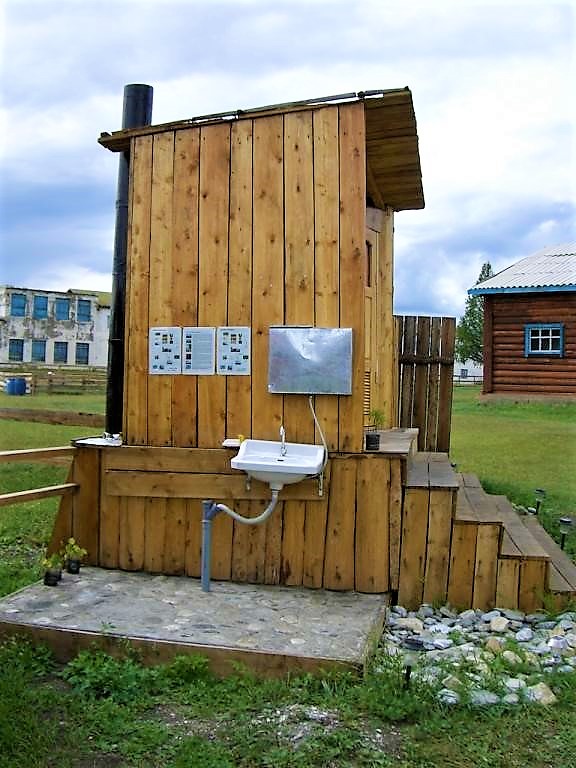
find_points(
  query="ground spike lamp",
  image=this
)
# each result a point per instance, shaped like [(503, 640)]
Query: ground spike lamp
[(565, 528)]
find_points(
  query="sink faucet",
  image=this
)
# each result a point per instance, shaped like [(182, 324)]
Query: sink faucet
[(282, 441)]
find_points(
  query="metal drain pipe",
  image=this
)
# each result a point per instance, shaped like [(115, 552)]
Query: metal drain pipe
[(209, 512), (136, 113)]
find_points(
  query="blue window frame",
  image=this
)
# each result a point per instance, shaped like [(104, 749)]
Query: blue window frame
[(38, 350), (40, 307), (18, 305), (544, 339), (82, 353), (60, 351), (83, 313), (62, 309), (16, 350)]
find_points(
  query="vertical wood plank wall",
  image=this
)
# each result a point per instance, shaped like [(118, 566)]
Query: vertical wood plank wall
[(256, 222)]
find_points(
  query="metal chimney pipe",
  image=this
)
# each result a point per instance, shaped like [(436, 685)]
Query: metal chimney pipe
[(137, 112)]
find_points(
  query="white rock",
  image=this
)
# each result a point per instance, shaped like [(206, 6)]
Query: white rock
[(483, 698), (514, 683), (511, 698), (524, 635), (499, 624), (448, 696), (442, 643), (540, 694), (440, 629), (571, 639), (411, 623), (511, 657), (487, 617)]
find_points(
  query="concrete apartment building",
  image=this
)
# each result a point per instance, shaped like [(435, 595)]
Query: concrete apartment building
[(54, 328)]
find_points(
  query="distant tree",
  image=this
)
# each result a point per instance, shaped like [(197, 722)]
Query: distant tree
[(470, 327)]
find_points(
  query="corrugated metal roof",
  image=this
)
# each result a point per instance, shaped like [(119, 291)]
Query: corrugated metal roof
[(551, 269)]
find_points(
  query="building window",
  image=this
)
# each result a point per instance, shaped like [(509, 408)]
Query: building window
[(82, 353), (40, 307), (84, 311), (60, 351), (38, 351), (62, 309), (16, 350), (544, 339), (18, 305)]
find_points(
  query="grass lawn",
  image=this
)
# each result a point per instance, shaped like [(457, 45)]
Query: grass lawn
[(104, 713), (515, 448)]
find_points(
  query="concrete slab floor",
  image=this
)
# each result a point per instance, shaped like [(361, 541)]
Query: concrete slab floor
[(241, 619)]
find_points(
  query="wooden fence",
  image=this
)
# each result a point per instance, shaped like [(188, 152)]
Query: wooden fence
[(57, 380), (426, 369)]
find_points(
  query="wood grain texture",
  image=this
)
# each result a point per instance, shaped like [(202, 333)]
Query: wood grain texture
[(438, 546), (462, 560), (372, 546), (413, 552), (339, 559)]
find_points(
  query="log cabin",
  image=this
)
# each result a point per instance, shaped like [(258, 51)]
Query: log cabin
[(530, 325)]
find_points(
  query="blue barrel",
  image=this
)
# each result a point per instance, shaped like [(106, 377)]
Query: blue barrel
[(15, 386)]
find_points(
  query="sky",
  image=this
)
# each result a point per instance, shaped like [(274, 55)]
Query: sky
[(493, 85)]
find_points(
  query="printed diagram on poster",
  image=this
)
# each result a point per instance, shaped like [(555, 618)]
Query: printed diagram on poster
[(164, 353), (198, 351), (233, 351)]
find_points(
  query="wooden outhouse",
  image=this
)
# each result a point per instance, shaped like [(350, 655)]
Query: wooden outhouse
[(530, 325)]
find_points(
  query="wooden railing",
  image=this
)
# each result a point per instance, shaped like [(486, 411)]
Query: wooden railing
[(56, 380), (46, 455)]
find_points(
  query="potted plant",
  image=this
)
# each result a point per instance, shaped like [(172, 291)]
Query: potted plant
[(73, 554), (52, 569), (372, 435)]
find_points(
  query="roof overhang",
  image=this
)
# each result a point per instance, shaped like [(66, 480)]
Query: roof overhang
[(393, 173), (531, 289)]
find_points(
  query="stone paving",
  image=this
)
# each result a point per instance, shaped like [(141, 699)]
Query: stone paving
[(283, 620)]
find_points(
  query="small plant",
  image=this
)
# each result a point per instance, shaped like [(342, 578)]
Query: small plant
[(52, 565), (376, 423), (377, 418), (73, 554)]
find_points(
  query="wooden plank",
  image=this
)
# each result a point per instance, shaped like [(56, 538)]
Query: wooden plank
[(408, 348), (110, 514), (223, 487), (86, 504), (160, 299), (387, 353), (438, 546), (522, 537), (62, 528), (267, 269), (447, 339), (222, 533), (37, 454), (132, 530), (137, 294), (213, 271), (462, 560), (299, 256), (339, 559), (238, 388), (273, 546), (166, 459), (507, 583), (175, 537), (155, 526), (413, 552), (193, 538), (560, 560), (417, 473), (352, 267), (315, 542), (292, 557), (533, 584), (249, 544), (372, 546), (421, 380), (326, 248), (486, 567), (395, 512), (433, 411), (185, 275), (46, 492)]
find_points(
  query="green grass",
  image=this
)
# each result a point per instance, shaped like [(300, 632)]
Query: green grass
[(80, 402)]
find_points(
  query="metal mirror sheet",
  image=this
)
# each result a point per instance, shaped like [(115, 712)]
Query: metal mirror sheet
[(310, 361)]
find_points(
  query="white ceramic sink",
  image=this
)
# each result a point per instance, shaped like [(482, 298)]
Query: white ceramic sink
[(263, 460)]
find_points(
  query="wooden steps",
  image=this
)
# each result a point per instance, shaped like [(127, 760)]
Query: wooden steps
[(462, 545)]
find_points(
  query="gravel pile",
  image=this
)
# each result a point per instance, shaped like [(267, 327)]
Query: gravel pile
[(484, 657)]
